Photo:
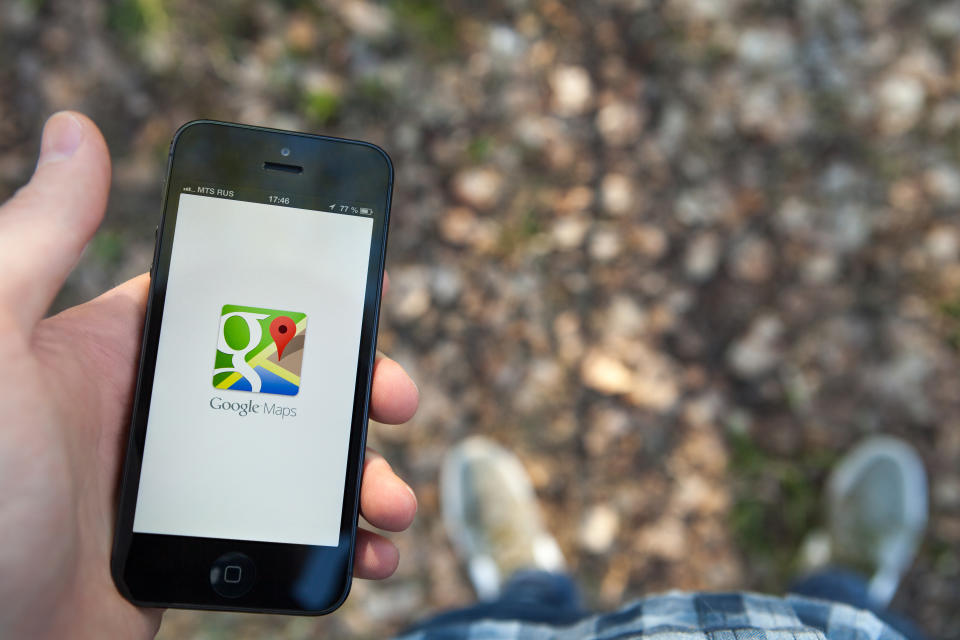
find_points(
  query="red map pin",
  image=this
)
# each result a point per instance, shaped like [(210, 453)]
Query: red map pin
[(282, 330)]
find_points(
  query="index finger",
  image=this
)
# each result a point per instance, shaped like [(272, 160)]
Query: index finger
[(394, 396)]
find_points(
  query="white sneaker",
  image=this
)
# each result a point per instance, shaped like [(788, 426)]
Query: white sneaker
[(490, 512), (877, 512)]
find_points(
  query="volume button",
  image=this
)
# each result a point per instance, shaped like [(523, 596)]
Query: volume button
[(156, 250)]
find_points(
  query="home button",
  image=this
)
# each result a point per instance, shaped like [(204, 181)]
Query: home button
[(232, 575)]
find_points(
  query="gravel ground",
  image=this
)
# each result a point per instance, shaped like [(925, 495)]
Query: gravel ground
[(679, 255)]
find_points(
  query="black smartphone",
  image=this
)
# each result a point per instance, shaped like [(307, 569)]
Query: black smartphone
[(241, 483)]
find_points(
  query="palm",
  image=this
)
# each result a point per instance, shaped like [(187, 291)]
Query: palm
[(63, 455), (66, 386)]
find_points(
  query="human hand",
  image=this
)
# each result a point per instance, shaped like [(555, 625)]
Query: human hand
[(66, 389)]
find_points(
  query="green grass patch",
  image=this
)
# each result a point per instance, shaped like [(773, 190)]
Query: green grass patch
[(33, 6), (107, 247), (369, 94), (321, 106), (479, 149), (135, 19), (519, 231), (426, 23), (950, 311), (302, 5), (777, 502)]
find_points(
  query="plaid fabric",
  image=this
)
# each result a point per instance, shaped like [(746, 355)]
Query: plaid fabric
[(691, 616)]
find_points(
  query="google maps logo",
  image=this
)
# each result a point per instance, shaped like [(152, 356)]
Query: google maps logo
[(259, 350)]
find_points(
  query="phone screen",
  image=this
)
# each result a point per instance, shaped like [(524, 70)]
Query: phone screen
[(250, 414)]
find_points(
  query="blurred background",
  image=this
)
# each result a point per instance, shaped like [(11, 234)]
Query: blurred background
[(679, 255)]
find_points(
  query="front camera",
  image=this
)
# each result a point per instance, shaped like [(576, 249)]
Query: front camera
[(285, 152)]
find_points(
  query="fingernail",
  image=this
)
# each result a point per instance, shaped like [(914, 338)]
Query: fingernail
[(412, 494), (62, 136)]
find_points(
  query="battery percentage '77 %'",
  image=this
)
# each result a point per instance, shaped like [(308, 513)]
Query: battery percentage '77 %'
[(343, 208)]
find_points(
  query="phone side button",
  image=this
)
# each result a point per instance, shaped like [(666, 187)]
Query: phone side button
[(232, 575), (156, 245)]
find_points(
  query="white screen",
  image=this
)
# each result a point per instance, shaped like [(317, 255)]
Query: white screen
[(277, 473)]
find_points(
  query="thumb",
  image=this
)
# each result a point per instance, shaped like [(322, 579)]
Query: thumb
[(47, 223)]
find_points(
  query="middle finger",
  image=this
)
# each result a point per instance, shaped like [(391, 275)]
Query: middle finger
[(386, 501)]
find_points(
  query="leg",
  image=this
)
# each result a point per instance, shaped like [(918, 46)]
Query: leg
[(491, 514), (529, 596), (877, 511), (849, 587)]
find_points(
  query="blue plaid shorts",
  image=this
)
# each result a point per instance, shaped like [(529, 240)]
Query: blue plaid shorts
[(689, 616)]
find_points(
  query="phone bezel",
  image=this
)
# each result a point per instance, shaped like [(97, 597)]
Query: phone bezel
[(172, 571)]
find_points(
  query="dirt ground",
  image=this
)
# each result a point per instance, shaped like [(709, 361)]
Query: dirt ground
[(679, 255)]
